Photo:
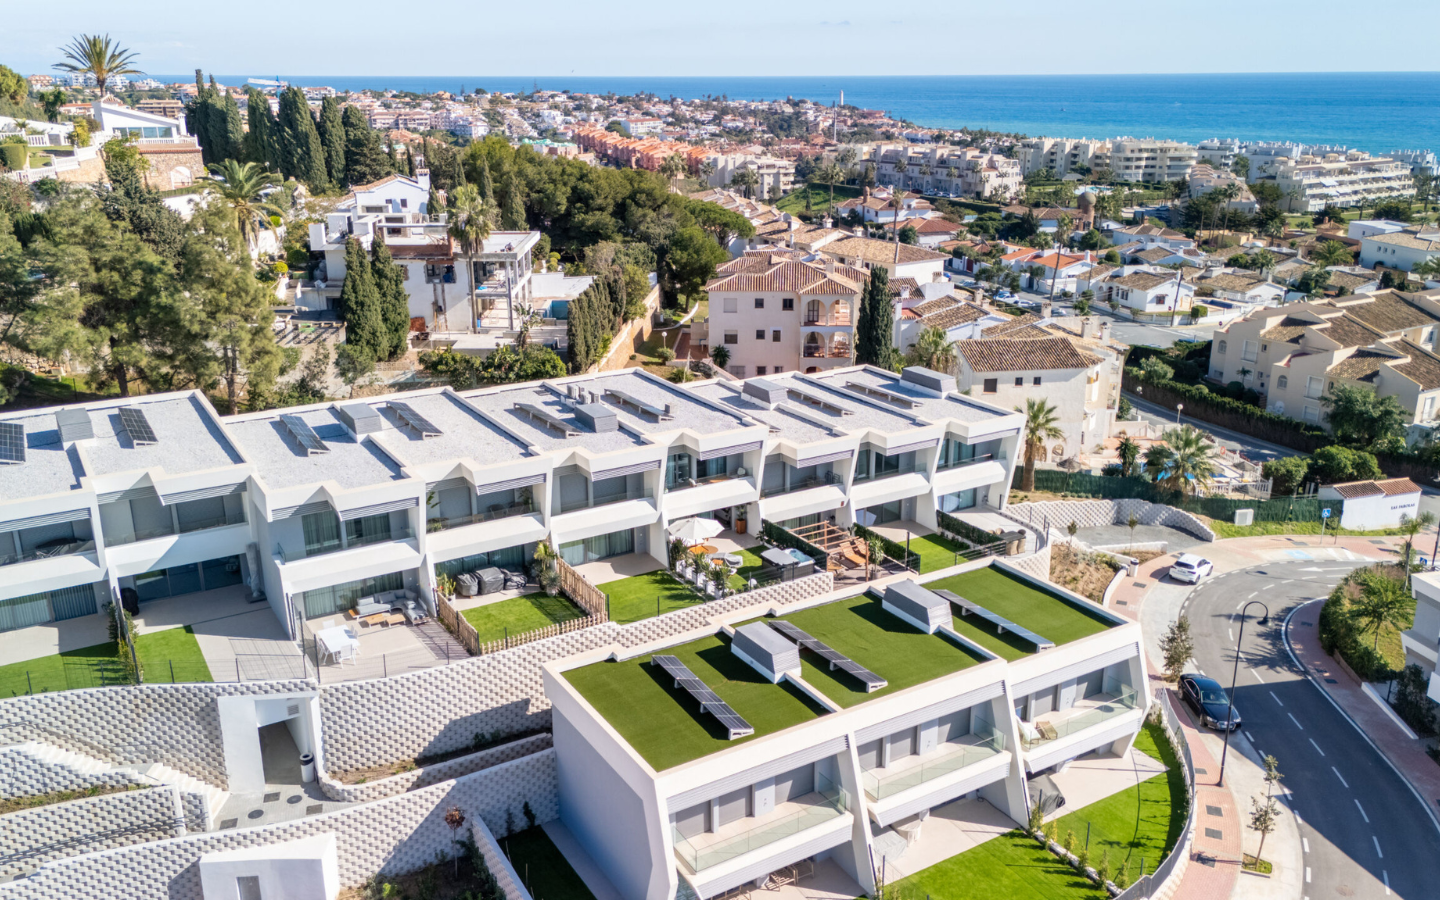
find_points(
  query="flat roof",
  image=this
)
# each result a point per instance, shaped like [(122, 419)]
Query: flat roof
[(952, 406), (48, 468), (188, 439), (863, 414), (786, 424), (664, 724), (465, 433), (280, 462), (862, 629), (501, 405), (1046, 613), (687, 411)]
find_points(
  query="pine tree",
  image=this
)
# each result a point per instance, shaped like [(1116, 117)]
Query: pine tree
[(360, 305), (301, 156), (512, 217), (394, 302), (259, 140), (365, 159), (332, 139), (874, 333)]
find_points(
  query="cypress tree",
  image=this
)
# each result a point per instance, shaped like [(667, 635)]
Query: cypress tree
[(301, 156), (487, 186), (365, 159), (394, 301), (409, 162), (229, 125), (360, 304), (259, 139), (875, 331), (332, 139), (512, 216), (433, 206)]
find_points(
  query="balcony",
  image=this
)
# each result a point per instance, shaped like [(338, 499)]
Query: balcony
[(704, 851), (917, 770), (167, 531), (1085, 714), (403, 533), (905, 468), (803, 484), (684, 484), (840, 318), (490, 515), (822, 353), (972, 461), (48, 550), (607, 500)]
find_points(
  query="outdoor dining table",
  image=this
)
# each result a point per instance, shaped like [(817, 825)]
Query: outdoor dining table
[(337, 642)]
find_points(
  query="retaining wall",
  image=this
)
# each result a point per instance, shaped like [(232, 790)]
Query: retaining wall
[(25, 772), (428, 775), (1095, 513), (29, 837)]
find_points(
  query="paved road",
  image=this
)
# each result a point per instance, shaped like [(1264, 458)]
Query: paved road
[(1134, 333), (1253, 448), (1365, 833)]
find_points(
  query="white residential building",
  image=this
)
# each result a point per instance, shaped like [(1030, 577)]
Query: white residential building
[(1151, 160), (1401, 249), (1061, 155), (1311, 183)]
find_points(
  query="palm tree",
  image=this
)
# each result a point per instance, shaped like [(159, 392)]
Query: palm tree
[(1332, 253), (1383, 601), (240, 186), (1129, 452), (1190, 464), (468, 227), (671, 168), (832, 174), (934, 350), (1157, 461), (1429, 269), (745, 179), (1042, 424), (720, 355), (91, 54), (1411, 526), (900, 167), (529, 317)]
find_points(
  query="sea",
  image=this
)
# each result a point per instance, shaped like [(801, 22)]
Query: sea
[(1374, 111)]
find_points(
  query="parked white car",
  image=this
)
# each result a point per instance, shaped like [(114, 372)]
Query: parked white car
[(1190, 568)]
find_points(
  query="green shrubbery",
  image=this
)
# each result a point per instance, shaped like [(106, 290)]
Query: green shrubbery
[(1341, 634)]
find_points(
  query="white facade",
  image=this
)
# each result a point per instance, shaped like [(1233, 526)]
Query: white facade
[(1151, 160), (1310, 183), (1371, 506), (1399, 250)]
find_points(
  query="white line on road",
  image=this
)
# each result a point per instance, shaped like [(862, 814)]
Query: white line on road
[(1275, 698), (1386, 875), (1305, 844), (1317, 747), (1339, 776), (1307, 876), (1296, 721), (1232, 633), (1251, 738), (1247, 598), (1257, 676), (1287, 581), (1362, 812), (1378, 852)]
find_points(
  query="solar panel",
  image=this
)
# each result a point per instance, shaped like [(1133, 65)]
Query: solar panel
[(620, 398), (835, 658), (416, 421), (536, 414), (709, 701), (306, 435), (822, 403), (12, 443), (880, 393), (1003, 624), (137, 426)]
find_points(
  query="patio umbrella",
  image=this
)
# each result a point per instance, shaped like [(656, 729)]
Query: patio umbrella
[(694, 529)]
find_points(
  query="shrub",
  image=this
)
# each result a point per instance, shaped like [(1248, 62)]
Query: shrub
[(1340, 636), (665, 354)]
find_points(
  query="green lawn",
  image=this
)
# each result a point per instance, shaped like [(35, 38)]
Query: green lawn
[(643, 596), (794, 201), (894, 649), (95, 666), (1011, 866), (664, 724), (520, 614), (1228, 530), (752, 565), (1040, 611), (936, 551), (1141, 822), (543, 868)]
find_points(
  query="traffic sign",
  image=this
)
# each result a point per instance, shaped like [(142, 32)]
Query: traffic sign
[(1325, 513)]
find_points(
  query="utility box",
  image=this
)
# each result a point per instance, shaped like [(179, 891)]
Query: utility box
[(1244, 517)]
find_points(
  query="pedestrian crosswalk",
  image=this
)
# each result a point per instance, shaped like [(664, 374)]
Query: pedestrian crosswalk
[(1316, 553)]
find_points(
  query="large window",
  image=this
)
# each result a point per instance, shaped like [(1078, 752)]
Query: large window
[(47, 606), (1314, 387), (957, 501), (602, 546), (322, 532), (512, 558), (367, 530), (340, 597)]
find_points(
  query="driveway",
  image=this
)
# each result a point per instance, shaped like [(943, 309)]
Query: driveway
[(1176, 540)]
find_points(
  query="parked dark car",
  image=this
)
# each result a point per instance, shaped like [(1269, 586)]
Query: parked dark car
[(1209, 700)]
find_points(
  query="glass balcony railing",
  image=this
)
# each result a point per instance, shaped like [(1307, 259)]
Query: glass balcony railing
[(403, 533), (491, 515), (1073, 722), (212, 522), (962, 463), (882, 783), (700, 856), (49, 551), (802, 484), (608, 499), (134, 537), (904, 469), (680, 485)]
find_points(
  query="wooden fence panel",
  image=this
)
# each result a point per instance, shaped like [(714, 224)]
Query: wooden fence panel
[(582, 593), (457, 624)]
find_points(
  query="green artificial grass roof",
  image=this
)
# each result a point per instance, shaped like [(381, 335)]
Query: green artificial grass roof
[(890, 647), (1043, 612), (664, 724)]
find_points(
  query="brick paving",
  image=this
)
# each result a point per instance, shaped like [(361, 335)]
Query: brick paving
[(1214, 860)]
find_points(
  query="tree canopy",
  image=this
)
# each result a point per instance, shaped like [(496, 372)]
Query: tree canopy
[(1360, 418)]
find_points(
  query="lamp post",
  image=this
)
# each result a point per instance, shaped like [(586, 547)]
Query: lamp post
[(1178, 408), (1235, 672)]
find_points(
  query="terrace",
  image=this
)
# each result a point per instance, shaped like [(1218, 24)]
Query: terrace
[(705, 850), (1048, 614)]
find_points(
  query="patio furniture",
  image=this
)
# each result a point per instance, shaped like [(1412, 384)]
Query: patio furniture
[(733, 560), (707, 549), (393, 618), (375, 619), (491, 580), (337, 644), (1047, 731), (414, 613), (515, 580), (466, 584)]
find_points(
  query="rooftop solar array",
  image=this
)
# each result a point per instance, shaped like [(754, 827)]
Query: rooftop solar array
[(822, 403), (640, 406), (410, 417), (1000, 622), (12, 443), (309, 440), (880, 393), (545, 420), (137, 426), (709, 701), (836, 659)]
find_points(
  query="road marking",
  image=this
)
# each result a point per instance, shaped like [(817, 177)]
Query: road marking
[(1305, 844), (1247, 598), (1307, 878), (1386, 875), (1251, 738), (1362, 812), (1232, 633), (1287, 581), (1297, 722), (1257, 676), (1378, 852), (1339, 776), (1275, 698), (1317, 747)]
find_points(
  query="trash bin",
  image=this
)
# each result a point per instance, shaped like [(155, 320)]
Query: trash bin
[(307, 767)]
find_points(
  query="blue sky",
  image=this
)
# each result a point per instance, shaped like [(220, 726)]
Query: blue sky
[(745, 37)]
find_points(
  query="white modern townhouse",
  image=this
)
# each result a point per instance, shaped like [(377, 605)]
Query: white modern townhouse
[(1406, 249), (1422, 639), (821, 736)]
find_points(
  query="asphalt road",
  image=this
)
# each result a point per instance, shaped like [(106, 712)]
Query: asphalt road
[(1365, 833), (1253, 449)]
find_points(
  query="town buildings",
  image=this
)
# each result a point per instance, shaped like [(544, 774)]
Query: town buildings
[(1151, 160), (948, 170), (1422, 639), (1310, 183), (1404, 249)]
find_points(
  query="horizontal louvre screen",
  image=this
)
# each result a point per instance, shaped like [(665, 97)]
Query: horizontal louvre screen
[(295, 512), (137, 493), (918, 445), (562, 471), (224, 490), (59, 518), (625, 470), (930, 713), (513, 483), (448, 484), (829, 457), (759, 773), (730, 451), (1074, 670), (361, 512)]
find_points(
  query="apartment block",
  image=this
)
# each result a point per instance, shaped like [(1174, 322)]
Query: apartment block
[(1310, 183), (943, 169), (1151, 160), (1061, 155)]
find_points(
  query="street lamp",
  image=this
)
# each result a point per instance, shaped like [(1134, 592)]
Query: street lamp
[(1178, 407), (1229, 710)]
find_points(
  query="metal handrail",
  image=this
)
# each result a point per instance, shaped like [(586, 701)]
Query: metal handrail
[(515, 509), (69, 549)]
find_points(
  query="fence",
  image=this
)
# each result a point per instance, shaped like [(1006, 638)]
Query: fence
[(456, 624), (781, 537), (582, 593), (1302, 509), (540, 634), (1151, 883), (893, 549), (76, 673)]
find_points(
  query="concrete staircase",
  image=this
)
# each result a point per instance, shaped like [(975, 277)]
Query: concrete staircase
[(212, 798)]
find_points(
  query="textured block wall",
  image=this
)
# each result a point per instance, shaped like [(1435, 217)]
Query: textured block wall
[(428, 775), (391, 836), (33, 836), (174, 724), (440, 710), (1095, 513), (29, 769)]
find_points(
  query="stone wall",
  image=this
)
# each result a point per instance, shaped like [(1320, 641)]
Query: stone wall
[(630, 337), (31, 768), (171, 166), (497, 863), (1036, 565), (33, 836), (174, 724), (428, 775), (441, 710), (390, 837), (1095, 513)]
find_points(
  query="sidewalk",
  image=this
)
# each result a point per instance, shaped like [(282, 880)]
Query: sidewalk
[(1407, 754), (1215, 850)]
